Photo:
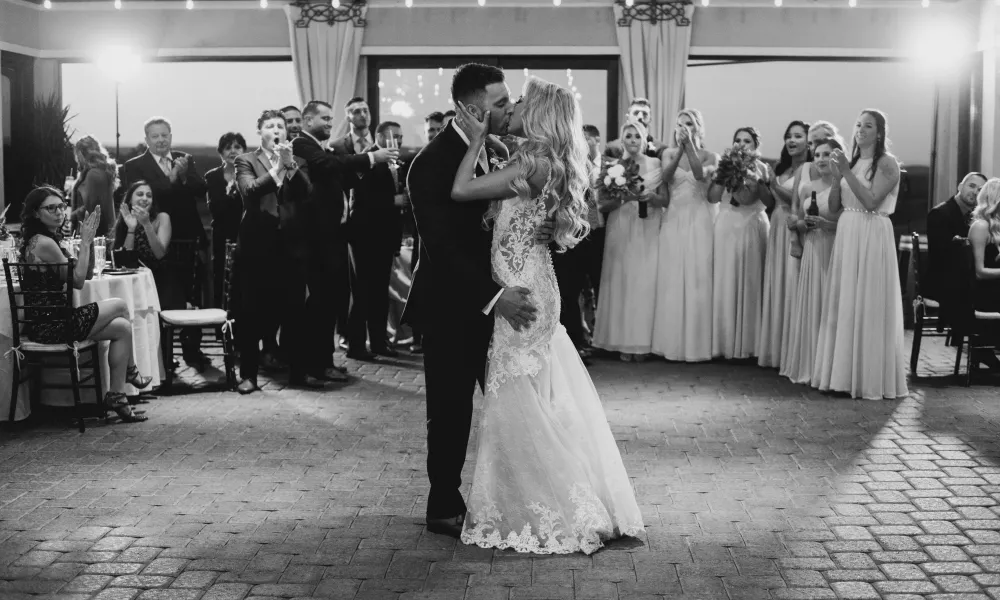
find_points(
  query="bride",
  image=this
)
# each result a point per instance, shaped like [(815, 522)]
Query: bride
[(549, 478)]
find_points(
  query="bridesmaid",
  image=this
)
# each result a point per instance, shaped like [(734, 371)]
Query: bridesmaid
[(740, 252), (860, 349), (624, 320), (781, 271), (682, 324), (818, 227)]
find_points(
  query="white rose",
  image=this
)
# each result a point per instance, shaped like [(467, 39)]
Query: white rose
[(607, 180), (619, 181), (616, 171)]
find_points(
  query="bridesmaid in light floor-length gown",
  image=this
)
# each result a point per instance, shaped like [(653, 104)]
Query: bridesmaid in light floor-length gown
[(860, 349), (739, 257), (624, 319), (818, 225), (682, 324), (781, 272)]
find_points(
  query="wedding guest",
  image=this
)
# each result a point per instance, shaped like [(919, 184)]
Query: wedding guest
[(142, 228), (945, 221), (682, 328), (433, 124), (374, 237), (818, 225), (179, 191), (860, 349), (823, 130), (95, 185), (326, 264), (269, 182), (781, 271), (593, 244), (984, 236), (225, 204), (740, 238), (293, 121), (639, 110), (624, 320), (107, 320), (357, 141)]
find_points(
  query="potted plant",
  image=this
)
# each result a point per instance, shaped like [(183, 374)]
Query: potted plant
[(50, 150)]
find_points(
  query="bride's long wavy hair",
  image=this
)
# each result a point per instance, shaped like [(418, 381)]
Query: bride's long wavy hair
[(555, 143)]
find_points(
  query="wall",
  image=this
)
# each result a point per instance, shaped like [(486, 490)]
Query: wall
[(19, 26)]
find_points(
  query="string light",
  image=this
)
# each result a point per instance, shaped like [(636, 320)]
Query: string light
[(556, 2), (629, 2), (925, 3), (263, 3), (440, 70), (408, 3), (482, 2), (118, 4), (777, 3), (852, 3), (381, 84), (704, 2)]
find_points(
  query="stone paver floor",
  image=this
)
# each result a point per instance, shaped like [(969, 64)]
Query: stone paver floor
[(751, 487)]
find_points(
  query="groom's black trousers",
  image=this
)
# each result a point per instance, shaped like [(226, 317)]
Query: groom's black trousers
[(454, 358)]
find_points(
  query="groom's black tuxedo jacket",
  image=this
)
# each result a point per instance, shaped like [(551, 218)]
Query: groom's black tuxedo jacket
[(453, 281)]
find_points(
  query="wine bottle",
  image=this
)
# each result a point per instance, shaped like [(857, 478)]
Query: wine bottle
[(813, 209)]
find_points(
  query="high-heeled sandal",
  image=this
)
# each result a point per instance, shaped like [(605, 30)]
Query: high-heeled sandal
[(139, 381), (119, 403)]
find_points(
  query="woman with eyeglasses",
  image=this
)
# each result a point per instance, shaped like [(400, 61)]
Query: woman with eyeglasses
[(107, 320)]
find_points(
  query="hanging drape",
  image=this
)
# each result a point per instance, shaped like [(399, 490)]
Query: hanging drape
[(327, 59), (946, 140), (654, 62)]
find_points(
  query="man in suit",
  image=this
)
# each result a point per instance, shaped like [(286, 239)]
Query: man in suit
[(179, 191), (945, 221), (374, 235), (640, 110), (269, 180), (293, 121), (357, 141), (330, 173), (453, 296)]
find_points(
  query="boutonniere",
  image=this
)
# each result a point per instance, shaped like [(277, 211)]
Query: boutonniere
[(652, 146)]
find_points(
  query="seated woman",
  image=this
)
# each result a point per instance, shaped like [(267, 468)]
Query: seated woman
[(984, 236), (146, 231), (41, 221)]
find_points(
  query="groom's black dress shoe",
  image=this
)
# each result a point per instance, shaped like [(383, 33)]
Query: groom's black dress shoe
[(451, 526)]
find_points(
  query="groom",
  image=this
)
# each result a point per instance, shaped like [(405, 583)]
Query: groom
[(453, 297)]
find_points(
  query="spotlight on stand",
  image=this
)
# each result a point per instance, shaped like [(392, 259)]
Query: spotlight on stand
[(118, 63)]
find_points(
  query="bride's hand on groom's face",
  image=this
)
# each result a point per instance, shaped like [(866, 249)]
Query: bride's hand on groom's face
[(473, 126), (515, 308)]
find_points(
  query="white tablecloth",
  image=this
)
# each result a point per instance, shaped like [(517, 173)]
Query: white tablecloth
[(139, 293)]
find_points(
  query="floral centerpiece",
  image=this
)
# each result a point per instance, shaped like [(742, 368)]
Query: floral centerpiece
[(620, 180), (736, 167)]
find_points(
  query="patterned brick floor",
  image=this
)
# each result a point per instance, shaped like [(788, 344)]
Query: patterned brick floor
[(751, 488)]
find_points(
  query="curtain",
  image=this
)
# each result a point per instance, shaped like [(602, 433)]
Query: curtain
[(946, 140), (327, 59), (654, 63)]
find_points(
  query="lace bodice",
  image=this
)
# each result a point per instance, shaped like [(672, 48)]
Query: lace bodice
[(520, 262), (851, 202)]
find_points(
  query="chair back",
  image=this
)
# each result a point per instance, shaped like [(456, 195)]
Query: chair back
[(963, 311), (34, 302), (227, 277), (916, 262)]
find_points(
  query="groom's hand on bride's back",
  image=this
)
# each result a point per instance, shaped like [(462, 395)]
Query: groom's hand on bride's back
[(515, 307), (545, 232)]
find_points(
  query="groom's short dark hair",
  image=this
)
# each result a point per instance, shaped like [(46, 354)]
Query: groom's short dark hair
[(470, 81)]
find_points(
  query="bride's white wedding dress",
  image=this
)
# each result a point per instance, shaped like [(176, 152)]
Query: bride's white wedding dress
[(549, 478)]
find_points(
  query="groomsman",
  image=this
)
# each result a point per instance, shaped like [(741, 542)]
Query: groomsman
[(640, 110), (594, 244), (327, 263), (293, 121), (375, 233), (433, 124), (357, 140), (178, 190), (270, 246)]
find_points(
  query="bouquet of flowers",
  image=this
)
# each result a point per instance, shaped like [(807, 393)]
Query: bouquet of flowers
[(736, 166), (620, 180)]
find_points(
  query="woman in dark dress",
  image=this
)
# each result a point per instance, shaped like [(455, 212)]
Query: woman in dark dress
[(146, 231), (225, 204), (95, 186), (984, 236), (41, 221)]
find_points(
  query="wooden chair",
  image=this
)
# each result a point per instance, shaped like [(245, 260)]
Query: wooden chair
[(974, 329), (183, 257), (28, 307), (927, 320)]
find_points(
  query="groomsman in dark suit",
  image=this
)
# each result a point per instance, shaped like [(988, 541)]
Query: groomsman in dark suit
[(330, 173), (293, 121), (374, 233), (272, 287), (357, 140), (178, 189), (640, 110)]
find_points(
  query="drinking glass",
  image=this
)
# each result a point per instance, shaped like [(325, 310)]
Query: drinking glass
[(100, 260), (390, 144)]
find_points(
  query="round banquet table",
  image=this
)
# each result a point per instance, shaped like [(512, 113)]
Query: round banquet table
[(138, 290)]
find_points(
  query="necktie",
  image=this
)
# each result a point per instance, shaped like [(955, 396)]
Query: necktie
[(165, 165), (361, 144)]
